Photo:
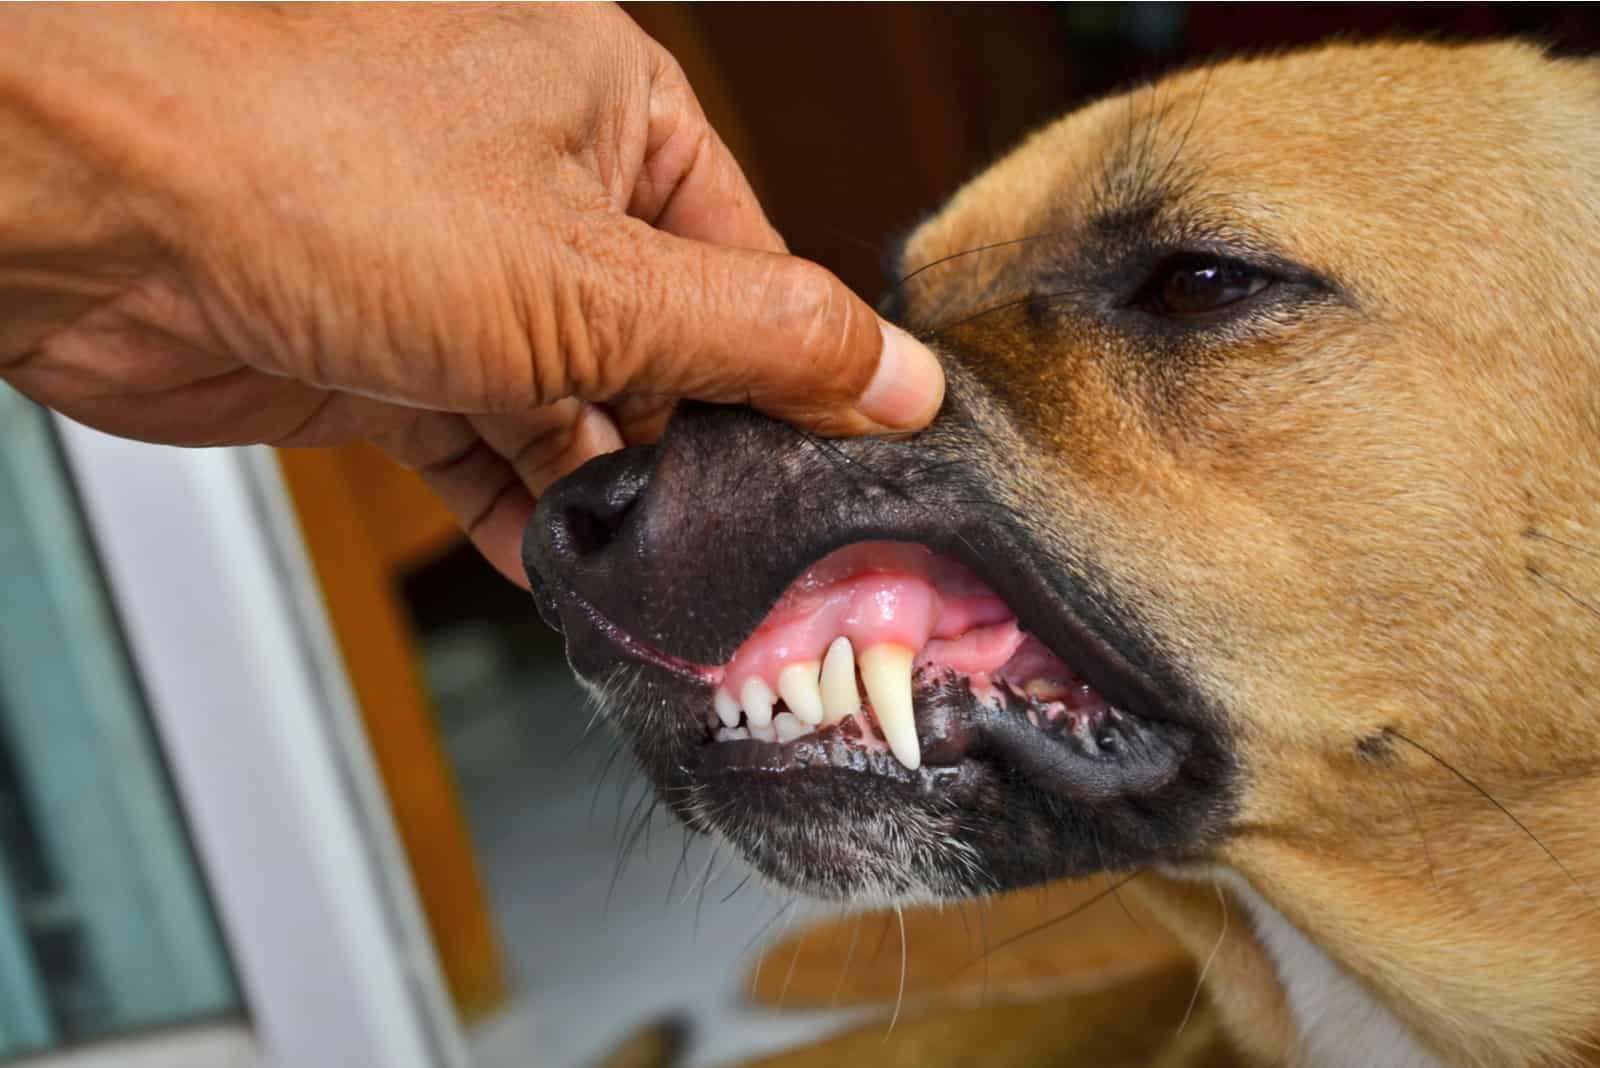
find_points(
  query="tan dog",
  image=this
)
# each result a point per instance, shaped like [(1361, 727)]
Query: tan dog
[(1275, 418)]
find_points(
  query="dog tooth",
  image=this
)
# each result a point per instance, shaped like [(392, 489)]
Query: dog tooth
[(1047, 689), (727, 708), (801, 691), (789, 726), (886, 673), (763, 732), (839, 695), (732, 734), (757, 697)]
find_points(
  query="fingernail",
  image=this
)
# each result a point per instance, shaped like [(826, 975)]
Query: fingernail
[(908, 387)]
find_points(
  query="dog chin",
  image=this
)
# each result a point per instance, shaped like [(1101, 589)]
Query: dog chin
[(832, 830)]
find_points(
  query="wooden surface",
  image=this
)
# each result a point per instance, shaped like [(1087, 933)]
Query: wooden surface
[(1066, 936), (1153, 1021), (365, 520), (1068, 974)]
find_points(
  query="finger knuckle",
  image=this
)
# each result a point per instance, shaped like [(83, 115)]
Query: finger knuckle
[(814, 307), (581, 319)]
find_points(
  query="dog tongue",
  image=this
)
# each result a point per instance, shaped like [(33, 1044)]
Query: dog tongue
[(893, 608)]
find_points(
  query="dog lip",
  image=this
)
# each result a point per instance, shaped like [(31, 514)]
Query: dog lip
[(619, 641), (1082, 633), (1060, 628), (957, 731)]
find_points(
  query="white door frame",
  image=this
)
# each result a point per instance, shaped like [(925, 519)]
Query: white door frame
[(227, 630)]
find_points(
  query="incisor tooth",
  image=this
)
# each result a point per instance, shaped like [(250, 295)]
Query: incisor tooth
[(886, 673), (801, 691), (763, 733), (840, 698), (788, 726), (727, 708), (757, 698)]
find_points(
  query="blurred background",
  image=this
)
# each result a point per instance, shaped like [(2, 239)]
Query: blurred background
[(442, 824)]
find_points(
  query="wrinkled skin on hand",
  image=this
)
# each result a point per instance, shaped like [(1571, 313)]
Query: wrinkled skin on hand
[(496, 242)]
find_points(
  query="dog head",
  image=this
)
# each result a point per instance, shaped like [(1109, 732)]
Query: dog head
[(1260, 533)]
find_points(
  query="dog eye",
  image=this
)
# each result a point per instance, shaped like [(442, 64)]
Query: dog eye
[(1188, 286)]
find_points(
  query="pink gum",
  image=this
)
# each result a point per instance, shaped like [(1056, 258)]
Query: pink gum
[(876, 592)]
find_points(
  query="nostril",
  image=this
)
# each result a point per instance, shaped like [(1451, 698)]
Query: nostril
[(590, 529), (583, 517)]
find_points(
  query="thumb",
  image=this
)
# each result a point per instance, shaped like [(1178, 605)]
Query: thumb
[(782, 334)]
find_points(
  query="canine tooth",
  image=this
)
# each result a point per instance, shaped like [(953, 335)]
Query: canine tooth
[(839, 695), (886, 673), (763, 732), (1047, 690), (757, 697), (801, 691), (727, 708), (789, 726)]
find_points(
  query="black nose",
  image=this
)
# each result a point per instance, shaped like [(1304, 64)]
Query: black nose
[(581, 515), (682, 546), (577, 525)]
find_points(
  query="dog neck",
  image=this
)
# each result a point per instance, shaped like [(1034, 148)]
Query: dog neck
[(1340, 1023)]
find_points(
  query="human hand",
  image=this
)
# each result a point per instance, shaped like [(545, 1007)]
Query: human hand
[(496, 242)]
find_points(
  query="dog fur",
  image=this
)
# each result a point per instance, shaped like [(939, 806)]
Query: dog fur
[(1373, 526), (1357, 512)]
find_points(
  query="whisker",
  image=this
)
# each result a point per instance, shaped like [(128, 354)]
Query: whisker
[(736, 889), (1507, 813), (1542, 536), (1568, 594), (850, 465), (704, 880), (1094, 836), (900, 994), (1144, 174), (845, 464), (599, 784), (983, 928), (883, 936), (755, 976), (816, 226), (1036, 928), (649, 824), (794, 959), (1416, 821), (622, 801), (680, 868), (1170, 168), (1020, 301), (974, 250), (631, 839), (1199, 982), (849, 955)]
